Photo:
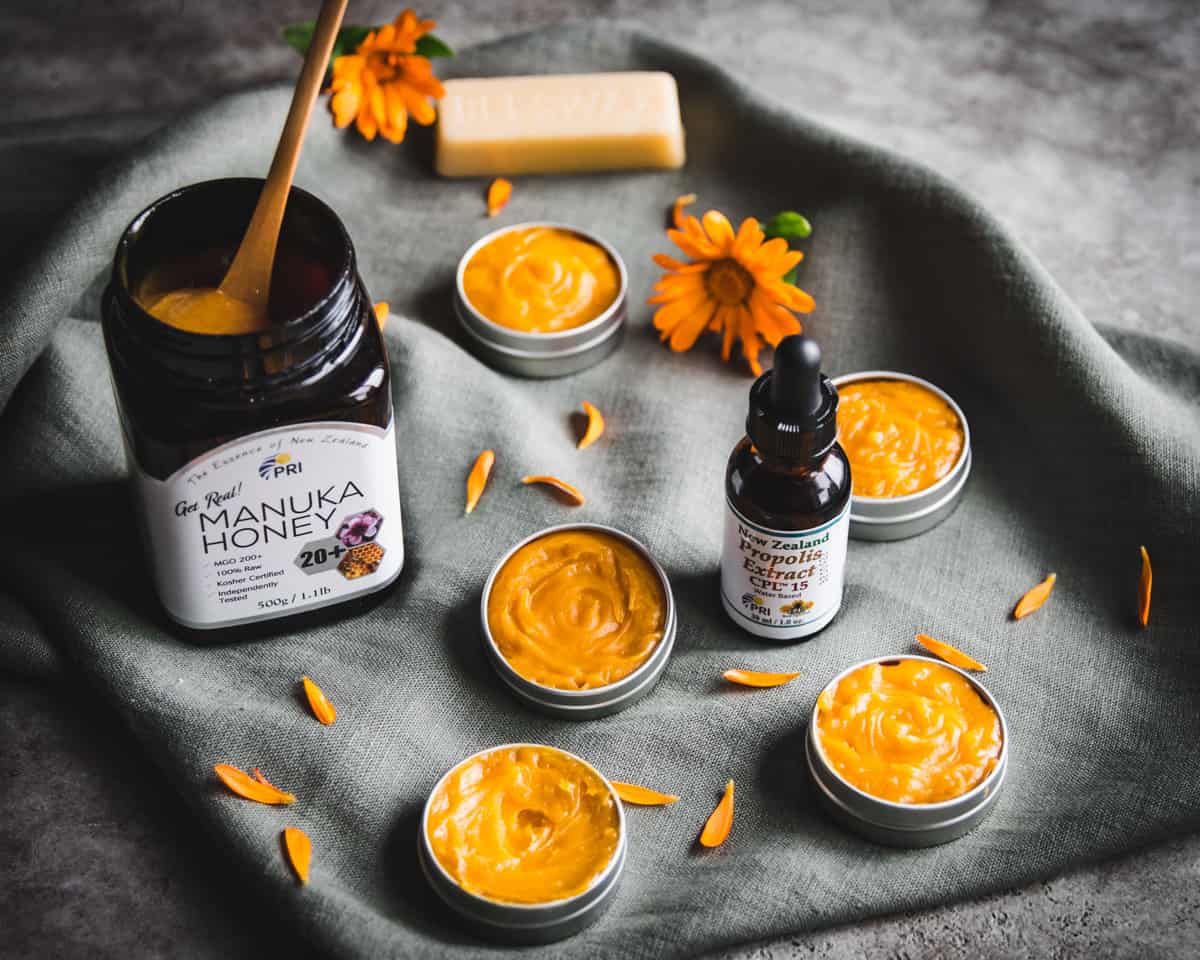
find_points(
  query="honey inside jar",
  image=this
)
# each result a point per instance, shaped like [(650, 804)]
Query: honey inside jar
[(908, 731), (523, 824), (576, 610), (184, 294), (541, 280), (900, 437)]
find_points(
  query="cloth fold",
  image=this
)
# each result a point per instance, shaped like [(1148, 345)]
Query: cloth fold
[(1082, 452)]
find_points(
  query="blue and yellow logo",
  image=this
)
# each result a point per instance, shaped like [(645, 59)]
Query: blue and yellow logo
[(279, 465)]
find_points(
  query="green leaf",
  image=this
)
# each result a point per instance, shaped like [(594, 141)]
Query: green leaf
[(790, 277), (348, 39), (430, 46), (789, 225), (299, 36)]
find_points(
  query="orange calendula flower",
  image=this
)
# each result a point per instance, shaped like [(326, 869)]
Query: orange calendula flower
[(384, 81), (733, 285)]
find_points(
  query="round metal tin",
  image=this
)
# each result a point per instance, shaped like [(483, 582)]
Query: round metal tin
[(905, 824), (896, 518), (600, 701), (524, 923), (542, 354)]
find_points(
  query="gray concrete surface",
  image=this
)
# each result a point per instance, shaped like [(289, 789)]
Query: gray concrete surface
[(1077, 121)]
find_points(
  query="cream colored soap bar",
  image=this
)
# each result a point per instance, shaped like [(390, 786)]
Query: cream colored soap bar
[(559, 124)]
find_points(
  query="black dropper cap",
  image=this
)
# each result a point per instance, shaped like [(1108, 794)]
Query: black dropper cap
[(793, 407)]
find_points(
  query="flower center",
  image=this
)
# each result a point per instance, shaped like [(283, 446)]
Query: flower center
[(729, 282)]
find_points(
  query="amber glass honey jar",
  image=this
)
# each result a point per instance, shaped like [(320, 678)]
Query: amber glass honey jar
[(263, 463)]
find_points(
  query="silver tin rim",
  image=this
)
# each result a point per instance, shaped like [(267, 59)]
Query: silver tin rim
[(543, 354), (525, 922), (895, 518), (599, 701), (906, 824)]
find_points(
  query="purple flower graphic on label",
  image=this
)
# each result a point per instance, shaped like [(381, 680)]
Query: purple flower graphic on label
[(359, 528)]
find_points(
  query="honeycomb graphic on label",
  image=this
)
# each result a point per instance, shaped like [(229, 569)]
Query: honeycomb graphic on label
[(796, 606), (361, 561)]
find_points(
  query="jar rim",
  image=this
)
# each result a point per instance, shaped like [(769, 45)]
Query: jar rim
[(286, 350), (136, 226)]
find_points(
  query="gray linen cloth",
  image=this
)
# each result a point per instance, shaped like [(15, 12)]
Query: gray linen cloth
[(1083, 450)]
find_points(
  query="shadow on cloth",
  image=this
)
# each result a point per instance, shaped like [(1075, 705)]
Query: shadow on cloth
[(418, 905)]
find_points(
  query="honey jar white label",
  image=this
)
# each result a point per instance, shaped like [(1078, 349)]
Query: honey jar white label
[(274, 523), (782, 584)]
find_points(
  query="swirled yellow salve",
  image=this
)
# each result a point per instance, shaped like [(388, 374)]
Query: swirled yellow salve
[(541, 280), (908, 731), (576, 610), (900, 436), (525, 824)]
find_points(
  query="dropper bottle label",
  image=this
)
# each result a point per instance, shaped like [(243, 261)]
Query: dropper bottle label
[(787, 515), (781, 583)]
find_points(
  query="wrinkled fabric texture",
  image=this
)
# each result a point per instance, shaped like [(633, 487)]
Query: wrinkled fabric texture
[(1084, 447)]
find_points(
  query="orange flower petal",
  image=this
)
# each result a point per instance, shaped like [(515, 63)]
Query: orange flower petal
[(755, 678), (642, 796), (748, 239), (678, 266), (568, 491), (716, 322), (258, 775), (381, 313), (1035, 597), (698, 248), (394, 134), (347, 66), (724, 321), (422, 110), (687, 331), (478, 477), (365, 124), (777, 267), (378, 104), (397, 112), (751, 345), (677, 208), (344, 105), (951, 655), (720, 231), (771, 320), (720, 822), (694, 308), (691, 281), (595, 427), (1144, 584), (322, 709), (299, 851), (498, 195), (245, 786), (774, 249), (789, 295), (676, 288)]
